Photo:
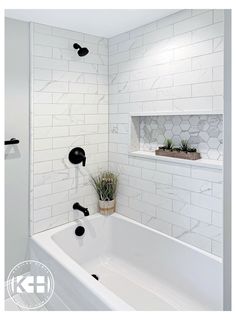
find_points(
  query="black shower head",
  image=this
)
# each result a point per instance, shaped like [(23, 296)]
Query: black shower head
[(82, 51)]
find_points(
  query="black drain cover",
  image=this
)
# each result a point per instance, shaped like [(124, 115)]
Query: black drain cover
[(79, 231), (95, 276)]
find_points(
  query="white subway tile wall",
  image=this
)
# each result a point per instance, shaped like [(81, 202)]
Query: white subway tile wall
[(69, 109), (174, 64)]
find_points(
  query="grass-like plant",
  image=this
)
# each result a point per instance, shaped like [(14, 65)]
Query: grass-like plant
[(168, 145), (105, 184), (185, 146)]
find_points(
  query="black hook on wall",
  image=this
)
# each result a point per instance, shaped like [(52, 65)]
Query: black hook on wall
[(11, 141)]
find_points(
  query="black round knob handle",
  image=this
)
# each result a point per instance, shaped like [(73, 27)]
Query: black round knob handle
[(79, 231), (77, 155)]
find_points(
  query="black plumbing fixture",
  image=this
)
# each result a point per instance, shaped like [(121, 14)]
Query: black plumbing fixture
[(11, 141), (82, 51), (77, 155), (79, 231), (77, 206), (95, 276)]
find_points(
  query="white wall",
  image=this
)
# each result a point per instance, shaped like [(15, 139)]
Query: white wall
[(69, 109), (227, 195), (174, 64), (16, 156)]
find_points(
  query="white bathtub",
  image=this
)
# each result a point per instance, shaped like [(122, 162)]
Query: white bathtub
[(138, 268)]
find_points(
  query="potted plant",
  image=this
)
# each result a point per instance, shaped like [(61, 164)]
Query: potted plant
[(184, 151), (105, 184)]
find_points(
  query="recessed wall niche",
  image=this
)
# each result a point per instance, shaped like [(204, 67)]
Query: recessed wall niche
[(202, 131)]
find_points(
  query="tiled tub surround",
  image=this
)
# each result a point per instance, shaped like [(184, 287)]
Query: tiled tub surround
[(69, 108), (183, 201), (171, 65), (203, 132)]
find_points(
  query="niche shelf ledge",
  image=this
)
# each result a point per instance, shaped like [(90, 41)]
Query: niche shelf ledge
[(213, 164), (136, 149)]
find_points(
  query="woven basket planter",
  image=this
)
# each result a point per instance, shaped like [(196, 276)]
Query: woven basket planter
[(178, 154), (107, 207)]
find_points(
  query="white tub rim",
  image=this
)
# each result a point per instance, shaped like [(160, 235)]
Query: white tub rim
[(50, 232), (46, 242)]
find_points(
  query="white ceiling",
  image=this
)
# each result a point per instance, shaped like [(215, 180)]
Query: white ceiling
[(103, 23)]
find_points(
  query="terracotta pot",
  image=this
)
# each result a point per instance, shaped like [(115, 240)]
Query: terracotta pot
[(107, 207)]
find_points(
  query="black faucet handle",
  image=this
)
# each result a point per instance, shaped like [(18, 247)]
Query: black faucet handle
[(77, 155)]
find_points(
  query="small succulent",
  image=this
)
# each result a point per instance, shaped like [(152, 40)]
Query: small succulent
[(168, 144), (176, 149), (185, 146)]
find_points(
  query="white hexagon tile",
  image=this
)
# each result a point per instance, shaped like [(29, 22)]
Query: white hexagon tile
[(203, 132)]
